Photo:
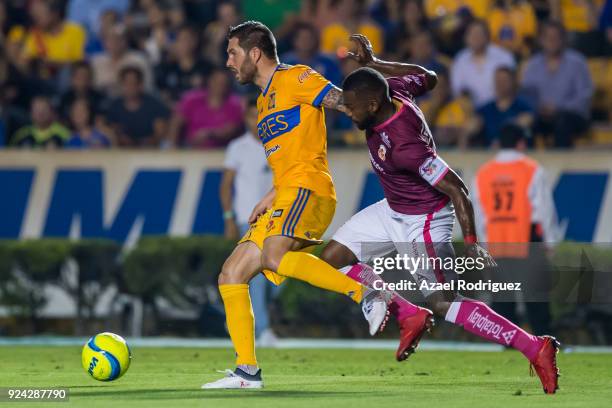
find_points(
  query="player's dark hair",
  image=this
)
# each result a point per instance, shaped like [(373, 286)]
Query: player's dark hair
[(507, 69), (483, 24), (131, 69), (555, 25), (252, 34), (83, 64), (367, 81), (511, 134), (307, 27)]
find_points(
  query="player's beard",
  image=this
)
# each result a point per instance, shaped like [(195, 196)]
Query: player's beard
[(366, 123), (247, 72)]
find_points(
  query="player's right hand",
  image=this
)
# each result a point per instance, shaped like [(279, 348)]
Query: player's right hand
[(362, 49), (264, 205)]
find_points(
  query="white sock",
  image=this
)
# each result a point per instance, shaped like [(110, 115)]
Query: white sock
[(249, 369)]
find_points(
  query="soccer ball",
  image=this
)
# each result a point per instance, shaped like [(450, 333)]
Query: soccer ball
[(106, 356)]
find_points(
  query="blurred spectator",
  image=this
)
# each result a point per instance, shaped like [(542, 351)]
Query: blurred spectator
[(423, 53), (51, 41), (313, 12), (81, 86), (513, 25), (514, 205), (45, 131), (270, 12), (605, 22), (449, 20), (108, 20), (404, 20), (182, 69), (474, 67), (4, 23), (137, 118), (449, 117), (165, 19), (210, 116), (506, 108), (413, 21), (17, 86), (88, 13), (84, 134), (200, 12), (116, 56), (246, 179), (350, 18), (578, 16), (441, 8), (216, 32), (559, 81), (306, 52), (12, 117)]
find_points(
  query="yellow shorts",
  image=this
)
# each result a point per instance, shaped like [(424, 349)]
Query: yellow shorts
[(297, 212)]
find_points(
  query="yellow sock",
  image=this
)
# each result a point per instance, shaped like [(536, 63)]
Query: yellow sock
[(240, 321), (309, 268)]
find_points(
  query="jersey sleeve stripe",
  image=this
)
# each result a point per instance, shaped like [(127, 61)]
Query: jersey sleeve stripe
[(319, 99)]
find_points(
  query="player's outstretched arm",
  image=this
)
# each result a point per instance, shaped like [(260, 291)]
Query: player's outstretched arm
[(452, 185), (334, 100), (364, 55)]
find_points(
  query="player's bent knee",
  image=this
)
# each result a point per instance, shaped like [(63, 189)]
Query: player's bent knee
[(338, 255), (234, 271), (270, 260)]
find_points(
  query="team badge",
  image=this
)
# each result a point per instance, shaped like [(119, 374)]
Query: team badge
[(382, 152), (277, 213), (272, 100)]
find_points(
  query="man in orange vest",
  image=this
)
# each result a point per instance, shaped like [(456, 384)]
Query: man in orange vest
[(514, 207)]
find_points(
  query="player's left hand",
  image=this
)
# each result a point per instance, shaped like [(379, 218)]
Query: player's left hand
[(476, 251), (362, 51)]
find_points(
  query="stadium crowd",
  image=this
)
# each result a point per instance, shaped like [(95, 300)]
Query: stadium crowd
[(132, 73)]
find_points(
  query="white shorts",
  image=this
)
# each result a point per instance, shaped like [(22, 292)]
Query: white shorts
[(378, 231)]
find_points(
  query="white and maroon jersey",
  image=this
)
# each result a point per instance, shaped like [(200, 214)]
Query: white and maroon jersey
[(403, 152)]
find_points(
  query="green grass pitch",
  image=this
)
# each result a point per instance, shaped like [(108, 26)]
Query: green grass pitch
[(171, 377)]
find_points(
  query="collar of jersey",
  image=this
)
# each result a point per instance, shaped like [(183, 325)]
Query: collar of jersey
[(271, 78)]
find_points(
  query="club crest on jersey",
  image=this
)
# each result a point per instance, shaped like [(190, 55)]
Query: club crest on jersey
[(272, 100), (382, 152)]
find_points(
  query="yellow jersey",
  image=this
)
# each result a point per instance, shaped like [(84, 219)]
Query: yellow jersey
[(291, 126)]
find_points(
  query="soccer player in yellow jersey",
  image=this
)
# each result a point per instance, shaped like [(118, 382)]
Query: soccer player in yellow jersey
[(299, 208)]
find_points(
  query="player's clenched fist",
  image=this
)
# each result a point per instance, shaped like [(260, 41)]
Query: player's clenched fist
[(362, 49)]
